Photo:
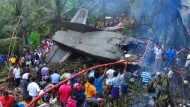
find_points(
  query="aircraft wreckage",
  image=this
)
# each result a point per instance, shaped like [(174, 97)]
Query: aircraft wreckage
[(101, 45)]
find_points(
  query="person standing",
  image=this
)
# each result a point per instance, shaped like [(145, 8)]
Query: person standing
[(2, 62), (24, 84), (158, 58), (44, 72), (66, 75), (11, 76), (115, 82), (33, 88), (150, 55), (98, 81), (109, 75), (55, 77), (64, 92), (171, 53), (16, 73), (124, 80), (48, 86), (7, 99), (90, 92), (74, 80)]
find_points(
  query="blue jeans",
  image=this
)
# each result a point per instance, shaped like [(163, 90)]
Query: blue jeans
[(92, 100)]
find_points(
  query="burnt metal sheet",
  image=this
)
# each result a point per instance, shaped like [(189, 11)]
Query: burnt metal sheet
[(98, 44)]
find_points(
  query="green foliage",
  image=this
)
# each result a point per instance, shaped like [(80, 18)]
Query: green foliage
[(47, 30), (34, 40), (12, 43), (4, 72)]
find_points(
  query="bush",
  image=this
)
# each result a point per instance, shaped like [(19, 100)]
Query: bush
[(34, 40)]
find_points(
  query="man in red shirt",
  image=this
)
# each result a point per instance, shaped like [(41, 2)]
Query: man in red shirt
[(64, 92), (7, 99)]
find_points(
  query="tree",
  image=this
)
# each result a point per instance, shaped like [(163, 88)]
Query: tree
[(35, 40)]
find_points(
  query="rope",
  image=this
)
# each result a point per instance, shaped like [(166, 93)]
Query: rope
[(89, 69)]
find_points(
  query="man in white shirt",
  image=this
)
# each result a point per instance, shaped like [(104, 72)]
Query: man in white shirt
[(109, 75), (158, 59), (16, 73), (33, 88)]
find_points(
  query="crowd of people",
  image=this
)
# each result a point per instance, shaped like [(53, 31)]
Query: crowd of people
[(176, 61), (90, 88), (73, 93)]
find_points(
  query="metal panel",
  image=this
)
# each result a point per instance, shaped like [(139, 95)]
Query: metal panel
[(56, 54)]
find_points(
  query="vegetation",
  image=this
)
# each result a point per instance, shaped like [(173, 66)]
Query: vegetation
[(35, 40), (4, 73), (29, 16)]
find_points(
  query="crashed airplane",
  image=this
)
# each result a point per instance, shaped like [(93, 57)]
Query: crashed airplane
[(101, 45)]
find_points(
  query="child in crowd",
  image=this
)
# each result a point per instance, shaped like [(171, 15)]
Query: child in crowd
[(27, 100), (71, 102), (91, 96), (80, 96), (46, 100)]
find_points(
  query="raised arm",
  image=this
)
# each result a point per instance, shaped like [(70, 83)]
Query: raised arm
[(125, 68), (105, 70)]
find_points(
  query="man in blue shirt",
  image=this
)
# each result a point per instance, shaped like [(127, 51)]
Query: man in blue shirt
[(74, 80), (55, 77), (98, 81), (2, 62), (171, 54), (24, 84)]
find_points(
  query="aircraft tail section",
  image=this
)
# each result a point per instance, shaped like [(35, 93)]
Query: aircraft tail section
[(80, 16)]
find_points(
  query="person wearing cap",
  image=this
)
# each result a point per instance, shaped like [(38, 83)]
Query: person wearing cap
[(46, 100), (26, 101), (24, 84), (80, 96)]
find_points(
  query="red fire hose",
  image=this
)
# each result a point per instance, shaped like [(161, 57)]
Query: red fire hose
[(81, 72)]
